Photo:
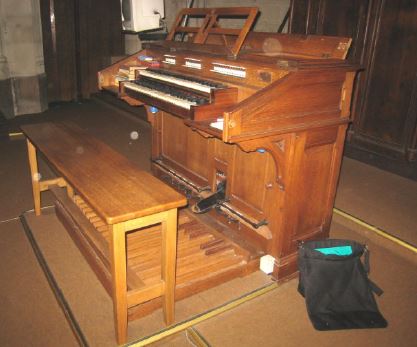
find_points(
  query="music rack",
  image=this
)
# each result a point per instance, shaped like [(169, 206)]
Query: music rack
[(210, 25)]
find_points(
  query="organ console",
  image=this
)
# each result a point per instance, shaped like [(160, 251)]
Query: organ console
[(250, 126)]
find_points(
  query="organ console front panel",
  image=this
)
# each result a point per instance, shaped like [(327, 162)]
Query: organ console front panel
[(250, 126)]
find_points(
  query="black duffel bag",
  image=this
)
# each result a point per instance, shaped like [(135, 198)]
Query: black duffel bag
[(336, 287)]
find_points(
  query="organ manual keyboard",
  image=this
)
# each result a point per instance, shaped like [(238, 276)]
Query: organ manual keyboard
[(184, 95), (250, 126)]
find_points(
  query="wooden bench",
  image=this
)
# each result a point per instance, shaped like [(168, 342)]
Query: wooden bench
[(114, 194)]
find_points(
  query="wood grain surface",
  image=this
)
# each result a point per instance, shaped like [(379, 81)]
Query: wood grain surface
[(114, 187)]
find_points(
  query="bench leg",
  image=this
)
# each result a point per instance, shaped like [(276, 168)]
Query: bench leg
[(118, 262), (33, 163), (169, 258)]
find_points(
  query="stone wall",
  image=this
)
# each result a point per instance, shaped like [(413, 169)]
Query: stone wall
[(22, 72)]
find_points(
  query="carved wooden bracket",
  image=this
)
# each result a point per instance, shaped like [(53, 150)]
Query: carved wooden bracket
[(281, 149)]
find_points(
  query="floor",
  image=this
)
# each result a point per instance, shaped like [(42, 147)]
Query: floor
[(30, 314)]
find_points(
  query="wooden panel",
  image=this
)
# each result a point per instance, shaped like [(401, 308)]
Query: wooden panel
[(311, 46), (384, 107), (174, 139), (316, 173), (392, 77), (316, 180), (99, 37), (185, 147), (58, 37), (333, 18), (298, 99), (252, 174), (224, 151), (383, 133), (298, 17), (79, 37), (351, 20)]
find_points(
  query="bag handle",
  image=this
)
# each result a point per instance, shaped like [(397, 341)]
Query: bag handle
[(375, 288)]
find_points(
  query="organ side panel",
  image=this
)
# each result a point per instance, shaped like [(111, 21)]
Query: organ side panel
[(308, 197), (313, 188)]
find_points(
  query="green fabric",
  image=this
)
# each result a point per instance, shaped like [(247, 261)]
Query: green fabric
[(339, 250)]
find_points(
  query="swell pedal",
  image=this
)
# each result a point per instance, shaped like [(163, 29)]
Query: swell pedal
[(212, 200)]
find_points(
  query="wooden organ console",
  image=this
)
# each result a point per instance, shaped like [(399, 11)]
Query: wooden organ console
[(251, 127)]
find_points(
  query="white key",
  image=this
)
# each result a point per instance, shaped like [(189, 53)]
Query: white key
[(160, 95), (176, 80)]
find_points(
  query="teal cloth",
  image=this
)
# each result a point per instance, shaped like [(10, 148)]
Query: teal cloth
[(339, 250)]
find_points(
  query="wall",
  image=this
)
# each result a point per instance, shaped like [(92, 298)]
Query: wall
[(22, 73)]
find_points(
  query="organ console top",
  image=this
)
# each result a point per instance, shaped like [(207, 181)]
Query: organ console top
[(250, 126)]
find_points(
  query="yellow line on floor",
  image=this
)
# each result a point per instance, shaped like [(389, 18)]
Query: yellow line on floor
[(376, 230), (202, 317), (9, 220), (15, 134), (195, 337)]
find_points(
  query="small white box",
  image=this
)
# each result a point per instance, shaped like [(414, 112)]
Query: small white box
[(267, 264)]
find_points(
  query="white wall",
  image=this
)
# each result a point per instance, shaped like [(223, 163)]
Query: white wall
[(4, 66), (22, 70), (21, 34)]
